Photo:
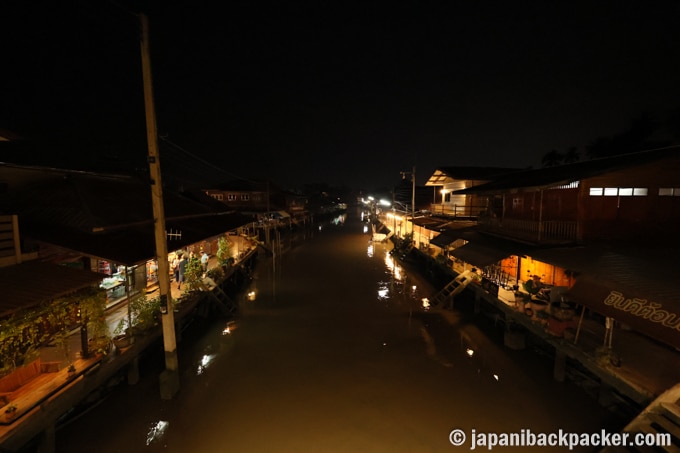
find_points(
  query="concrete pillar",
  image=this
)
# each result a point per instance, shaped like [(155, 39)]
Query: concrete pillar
[(560, 366)]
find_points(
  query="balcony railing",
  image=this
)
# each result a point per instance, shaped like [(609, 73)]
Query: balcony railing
[(453, 210), (554, 231)]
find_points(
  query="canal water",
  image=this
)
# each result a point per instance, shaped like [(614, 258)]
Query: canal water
[(333, 351)]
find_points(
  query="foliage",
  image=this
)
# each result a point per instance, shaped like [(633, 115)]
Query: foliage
[(216, 273), (144, 314), (23, 333), (224, 251), (531, 287), (193, 273), (92, 305), (552, 158)]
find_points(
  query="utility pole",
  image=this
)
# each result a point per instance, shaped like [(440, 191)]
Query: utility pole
[(413, 201), (412, 173), (169, 378)]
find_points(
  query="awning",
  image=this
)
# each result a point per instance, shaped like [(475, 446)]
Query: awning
[(279, 215), (31, 283), (431, 223), (136, 244), (443, 240), (479, 255), (482, 250), (656, 318)]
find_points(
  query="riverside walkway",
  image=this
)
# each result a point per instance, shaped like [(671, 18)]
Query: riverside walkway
[(644, 381), (45, 399)]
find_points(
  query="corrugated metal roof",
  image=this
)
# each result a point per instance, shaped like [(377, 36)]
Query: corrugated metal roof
[(476, 173), (111, 217), (649, 271), (31, 283), (657, 317), (482, 250), (136, 244), (565, 174)]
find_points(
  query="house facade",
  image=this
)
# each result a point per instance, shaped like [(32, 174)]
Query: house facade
[(447, 182), (599, 234)]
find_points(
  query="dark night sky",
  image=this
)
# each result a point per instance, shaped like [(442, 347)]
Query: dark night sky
[(342, 92)]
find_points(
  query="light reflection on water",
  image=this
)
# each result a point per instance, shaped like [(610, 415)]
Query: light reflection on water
[(310, 349), (157, 432)]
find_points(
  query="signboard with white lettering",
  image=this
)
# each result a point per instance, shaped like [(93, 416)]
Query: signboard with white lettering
[(656, 318)]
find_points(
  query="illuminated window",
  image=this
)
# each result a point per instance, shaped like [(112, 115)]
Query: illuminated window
[(626, 192), (669, 192), (231, 197), (571, 185), (517, 203), (245, 197), (595, 191), (217, 196), (611, 191), (640, 192)]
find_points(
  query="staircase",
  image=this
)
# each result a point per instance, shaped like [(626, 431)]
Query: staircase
[(444, 298), (660, 420), (223, 302)]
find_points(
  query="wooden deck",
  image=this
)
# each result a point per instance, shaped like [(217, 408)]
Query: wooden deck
[(41, 388)]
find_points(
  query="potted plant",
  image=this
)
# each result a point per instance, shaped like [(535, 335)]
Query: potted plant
[(11, 412), (71, 371), (122, 335)]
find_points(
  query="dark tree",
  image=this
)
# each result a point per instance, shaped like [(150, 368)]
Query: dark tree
[(638, 136), (552, 159), (572, 155)]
